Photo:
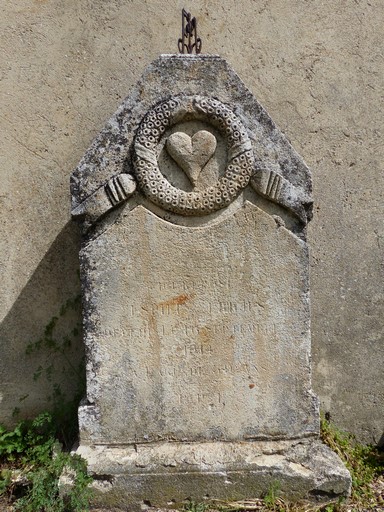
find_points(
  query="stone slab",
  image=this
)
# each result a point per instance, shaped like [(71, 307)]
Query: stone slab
[(168, 474), (197, 332)]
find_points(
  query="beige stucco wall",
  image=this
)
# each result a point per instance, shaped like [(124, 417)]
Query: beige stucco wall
[(317, 67)]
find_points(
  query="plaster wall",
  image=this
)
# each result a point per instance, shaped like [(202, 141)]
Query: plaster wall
[(317, 67)]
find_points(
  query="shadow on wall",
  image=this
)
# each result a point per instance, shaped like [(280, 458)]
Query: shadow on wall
[(41, 340)]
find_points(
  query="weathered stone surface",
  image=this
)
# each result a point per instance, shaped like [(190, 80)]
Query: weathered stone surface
[(116, 190), (197, 333), (235, 112), (167, 474), (196, 298)]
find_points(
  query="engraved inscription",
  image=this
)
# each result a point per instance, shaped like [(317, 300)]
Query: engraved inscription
[(250, 328), (235, 307), (197, 349), (188, 374), (185, 285), (192, 330), (177, 304), (198, 398)]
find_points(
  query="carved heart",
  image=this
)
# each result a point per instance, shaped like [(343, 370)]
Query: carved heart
[(191, 153)]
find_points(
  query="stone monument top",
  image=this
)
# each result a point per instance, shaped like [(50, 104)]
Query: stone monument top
[(199, 84), (194, 267)]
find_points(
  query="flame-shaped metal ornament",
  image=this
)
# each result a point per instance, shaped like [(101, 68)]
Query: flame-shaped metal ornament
[(189, 40)]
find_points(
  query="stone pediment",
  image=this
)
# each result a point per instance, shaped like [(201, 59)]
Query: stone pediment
[(189, 139)]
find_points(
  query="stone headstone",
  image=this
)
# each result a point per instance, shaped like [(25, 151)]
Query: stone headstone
[(194, 268)]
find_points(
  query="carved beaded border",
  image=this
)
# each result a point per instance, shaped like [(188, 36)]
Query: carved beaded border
[(158, 189)]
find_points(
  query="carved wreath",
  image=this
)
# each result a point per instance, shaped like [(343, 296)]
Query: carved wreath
[(240, 161)]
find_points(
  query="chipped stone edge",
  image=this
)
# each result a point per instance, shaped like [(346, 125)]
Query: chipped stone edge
[(163, 473)]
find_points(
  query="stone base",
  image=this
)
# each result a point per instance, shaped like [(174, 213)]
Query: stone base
[(166, 474)]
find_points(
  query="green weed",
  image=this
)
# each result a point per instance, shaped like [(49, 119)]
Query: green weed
[(5, 480), (32, 446), (271, 497), (365, 463), (51, 345), (192, 506)]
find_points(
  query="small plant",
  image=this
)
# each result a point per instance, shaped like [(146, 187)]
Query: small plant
[(365, 463), (32, 447), (43, 492), (56, 348), (12, 442), (272, 494), (5, 480), (336, 507), (192, 506)]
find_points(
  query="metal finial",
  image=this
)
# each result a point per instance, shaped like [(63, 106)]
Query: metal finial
[(188, 34)]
